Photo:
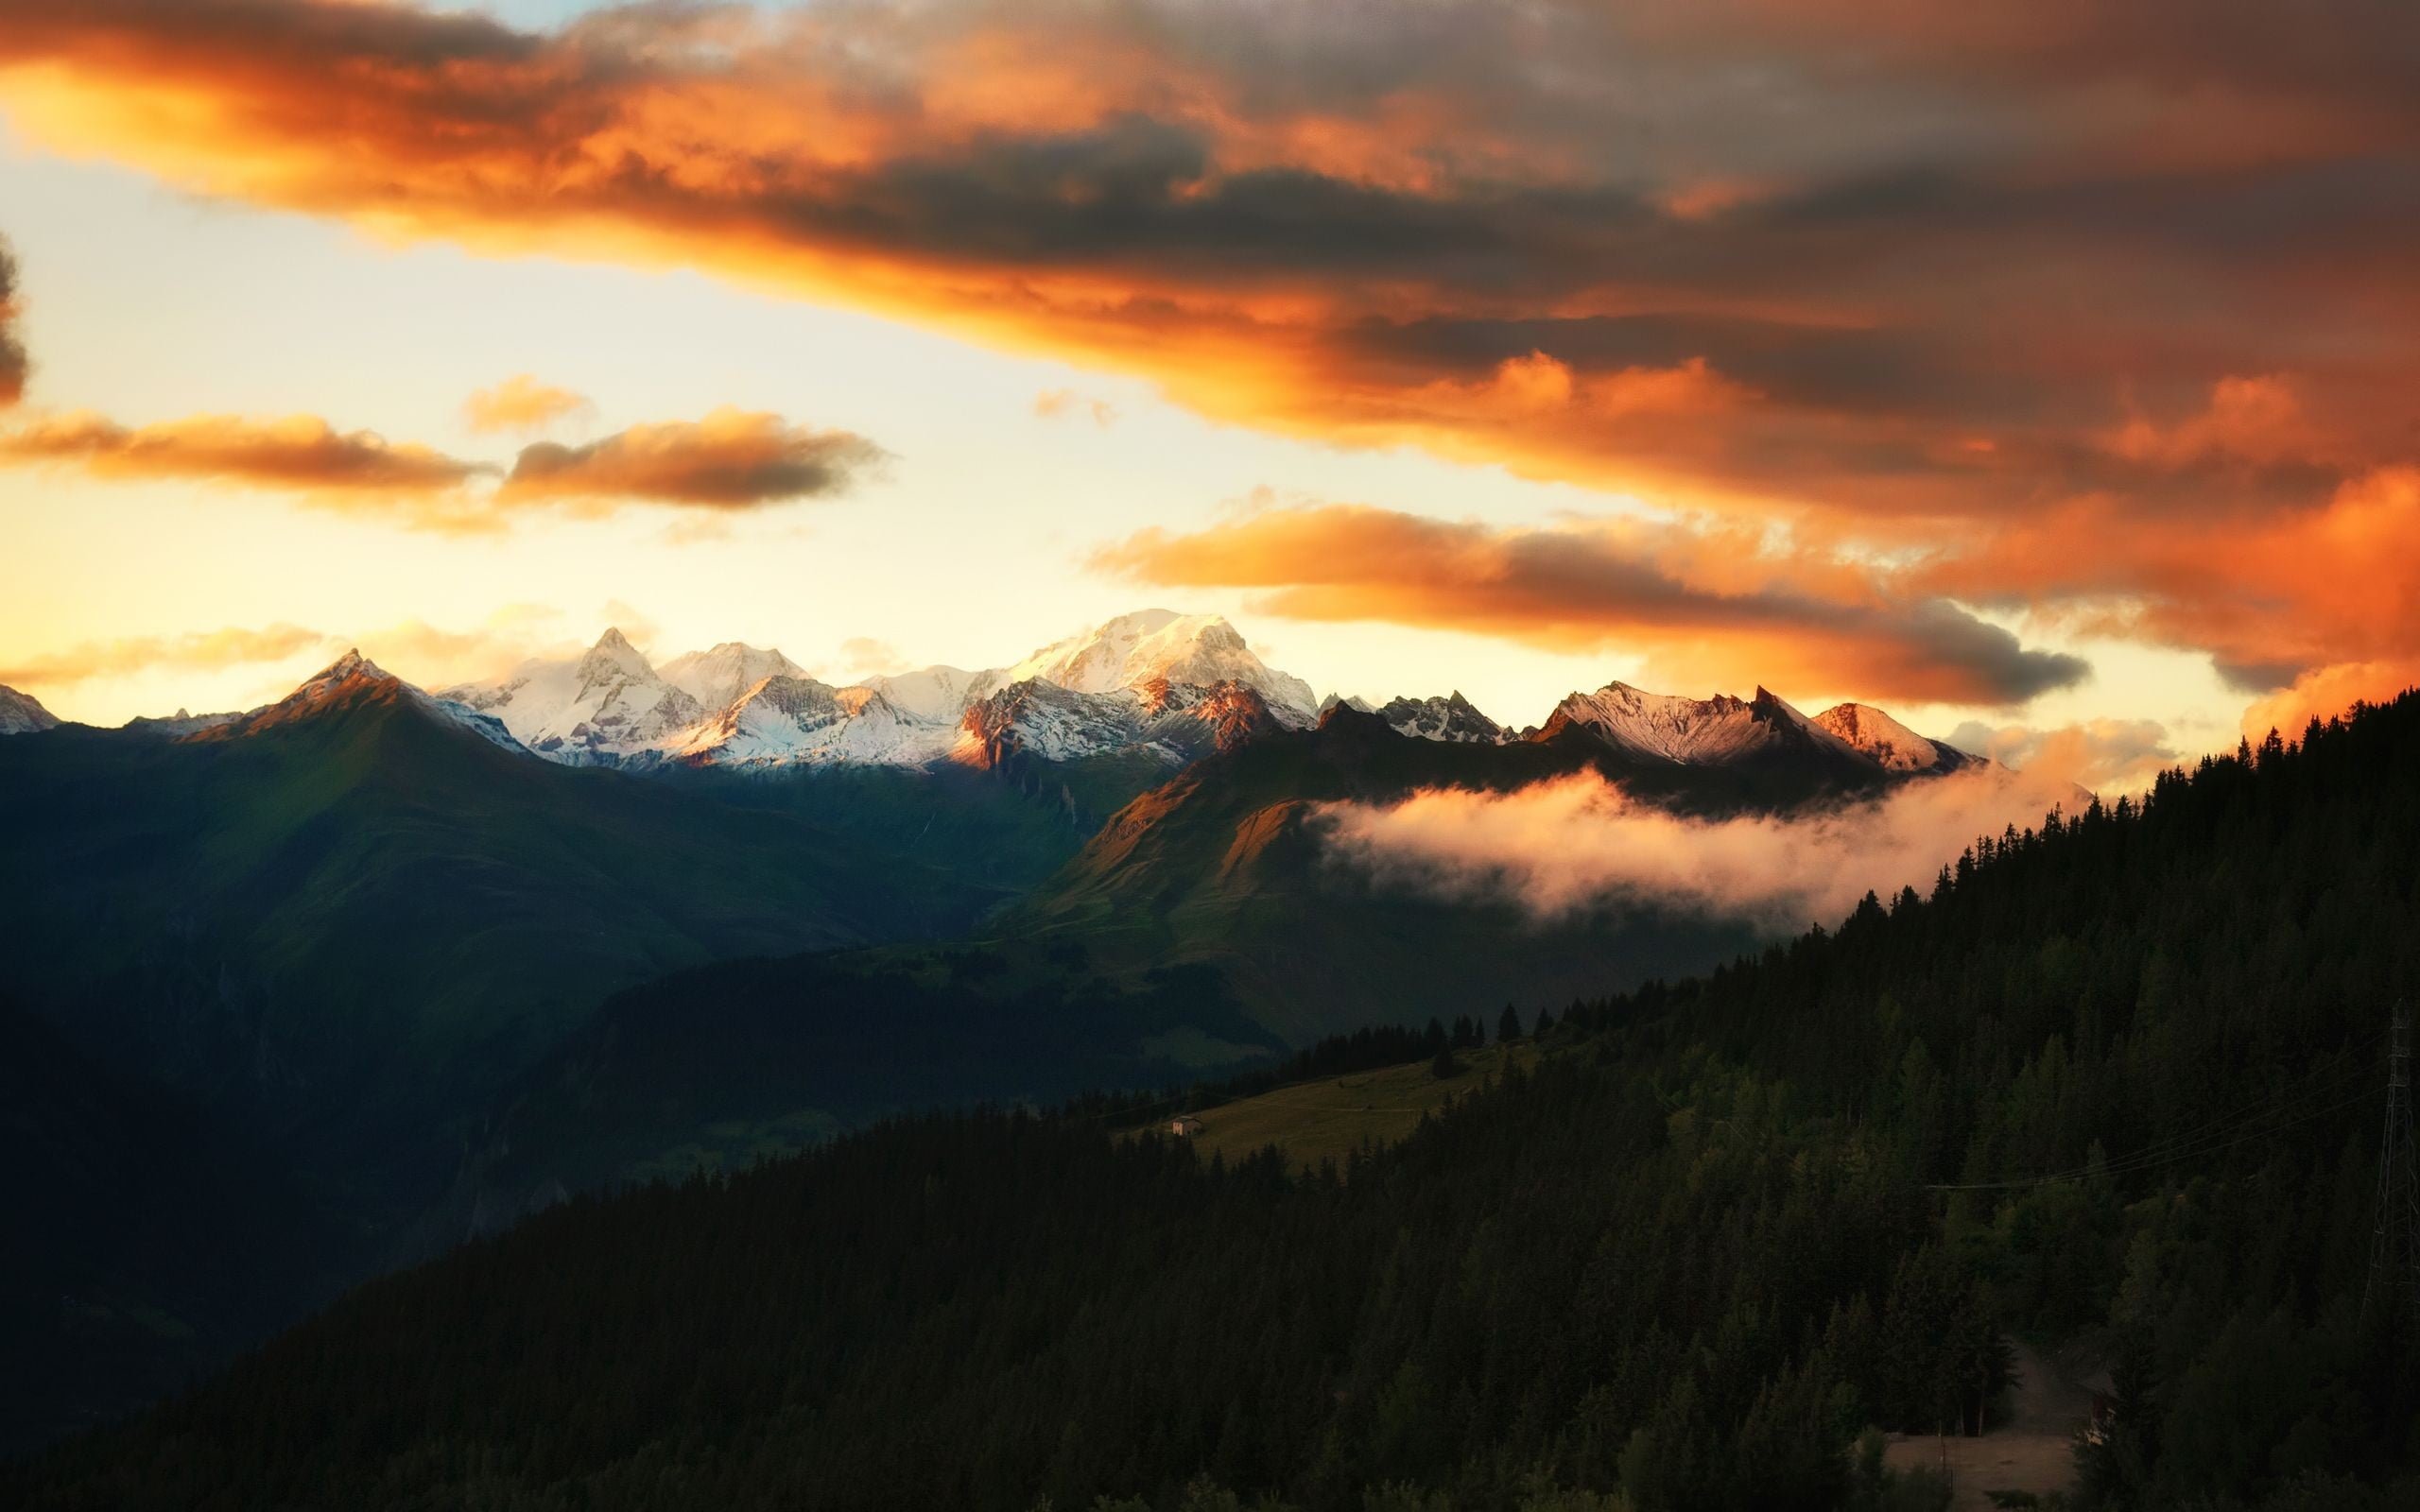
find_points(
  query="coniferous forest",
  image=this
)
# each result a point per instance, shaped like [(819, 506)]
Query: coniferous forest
[(2114, 1085)]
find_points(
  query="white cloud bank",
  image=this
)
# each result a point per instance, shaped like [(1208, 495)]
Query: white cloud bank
[(1579, 844)]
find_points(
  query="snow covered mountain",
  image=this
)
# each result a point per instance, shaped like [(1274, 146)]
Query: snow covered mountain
[(1691, 731), (936, 694), (1722, 731), (717, 679), (1158, 645), (1890, 743), (1451, 717), (1157, 682), (22, 713), (352, 679), (607, 705), (1173, 722), (786, 721)]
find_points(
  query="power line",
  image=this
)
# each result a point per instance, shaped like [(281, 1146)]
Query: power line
[(2394, 1245)]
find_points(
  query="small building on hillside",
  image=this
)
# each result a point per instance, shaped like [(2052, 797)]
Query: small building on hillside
[(1185, 1128)]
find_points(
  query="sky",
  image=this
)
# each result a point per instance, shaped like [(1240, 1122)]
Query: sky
[(2043, 374)]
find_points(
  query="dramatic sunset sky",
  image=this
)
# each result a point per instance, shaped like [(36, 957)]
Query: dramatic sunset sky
[(2044, 371)]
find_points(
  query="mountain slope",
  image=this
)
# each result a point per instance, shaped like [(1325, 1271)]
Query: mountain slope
[(1223, 867), (22, 714), (1685, 1260), (1888, 742), (329, 908)]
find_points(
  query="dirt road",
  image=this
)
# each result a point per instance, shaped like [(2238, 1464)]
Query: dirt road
[(2034, 1451)]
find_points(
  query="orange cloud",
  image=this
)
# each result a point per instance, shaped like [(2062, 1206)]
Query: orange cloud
[(13, 362), (2032, 292), (1701, 605), (2326, 693), (521, 403), (1053, 402), (2269, 598), (1289, 222), (196, 651), (730, 460), (2107, 755), (302, 454), (2248, 420)]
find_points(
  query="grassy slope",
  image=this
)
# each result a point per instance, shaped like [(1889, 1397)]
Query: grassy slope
[(1333, 1117)]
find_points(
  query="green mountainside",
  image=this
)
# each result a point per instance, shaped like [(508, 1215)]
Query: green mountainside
[(1201, 928), (269, 986), (1223, 867), (2115, 1086), (336, 921)]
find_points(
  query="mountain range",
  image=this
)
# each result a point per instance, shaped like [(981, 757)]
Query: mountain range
[(432, 958), (1164, 686)]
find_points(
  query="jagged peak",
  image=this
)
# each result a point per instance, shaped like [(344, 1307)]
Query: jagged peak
[(614, 654), (349, 665), (1447, 717)]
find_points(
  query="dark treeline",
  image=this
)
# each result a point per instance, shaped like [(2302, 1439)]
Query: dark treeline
[(1682, 1263)]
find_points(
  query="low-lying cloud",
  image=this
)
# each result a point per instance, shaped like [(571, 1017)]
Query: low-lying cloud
[(193, 651), (2106, 755), (1578, 844), (429, 655)]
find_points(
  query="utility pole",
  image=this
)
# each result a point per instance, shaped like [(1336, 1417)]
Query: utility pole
[(2395, 1250)]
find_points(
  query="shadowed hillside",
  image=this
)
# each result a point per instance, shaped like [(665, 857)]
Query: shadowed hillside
[(2114, 1085)]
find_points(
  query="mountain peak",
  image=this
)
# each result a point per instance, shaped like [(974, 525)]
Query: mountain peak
[(22, 713), (614, 656), (1717, 729), (348, 667), (1132, 649), (1886, 740), (1450, 718), (721, 676)]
